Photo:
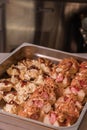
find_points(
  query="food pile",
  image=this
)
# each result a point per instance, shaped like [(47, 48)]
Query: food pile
[(53, 93)]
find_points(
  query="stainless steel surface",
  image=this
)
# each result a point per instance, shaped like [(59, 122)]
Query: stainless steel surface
[(49, 23), (9, 121), (20, 22), (32, 21)]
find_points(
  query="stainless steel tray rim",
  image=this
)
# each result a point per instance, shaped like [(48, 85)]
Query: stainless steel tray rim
[(39, 123)]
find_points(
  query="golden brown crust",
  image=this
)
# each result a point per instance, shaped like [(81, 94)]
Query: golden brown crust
[(44, 91)]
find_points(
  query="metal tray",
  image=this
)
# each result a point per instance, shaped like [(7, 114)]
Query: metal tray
[(11, 121)]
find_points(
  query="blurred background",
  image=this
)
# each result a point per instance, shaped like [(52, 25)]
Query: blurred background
[(52, 23)]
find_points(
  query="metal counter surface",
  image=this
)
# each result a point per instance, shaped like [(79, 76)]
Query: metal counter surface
[(84, 123)]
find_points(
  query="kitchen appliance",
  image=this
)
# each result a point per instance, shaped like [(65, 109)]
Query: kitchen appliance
[(50, 23)]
